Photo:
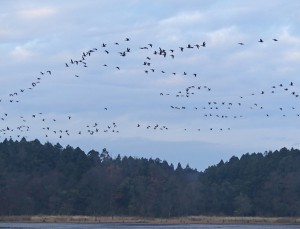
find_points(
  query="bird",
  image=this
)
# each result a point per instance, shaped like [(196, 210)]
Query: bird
[(186, 93)]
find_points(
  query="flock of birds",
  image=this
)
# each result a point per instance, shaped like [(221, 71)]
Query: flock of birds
[(216, 108)]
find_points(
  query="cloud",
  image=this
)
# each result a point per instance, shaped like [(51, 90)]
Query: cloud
[(288, 38), (27, 50), (42, 12), (21, 53), (183, 19), (293, 56), (223, 36), (40, 32), (5, 32), (169, 82)]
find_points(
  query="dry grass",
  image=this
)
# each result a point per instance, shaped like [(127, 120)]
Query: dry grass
[(179, 220)]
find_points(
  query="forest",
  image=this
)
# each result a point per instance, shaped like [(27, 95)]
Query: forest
[(49, 179)]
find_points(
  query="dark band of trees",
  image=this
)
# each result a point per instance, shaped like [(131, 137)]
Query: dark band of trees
[(50, 179)]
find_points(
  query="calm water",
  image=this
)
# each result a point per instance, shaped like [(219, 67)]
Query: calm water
[(137, 226)]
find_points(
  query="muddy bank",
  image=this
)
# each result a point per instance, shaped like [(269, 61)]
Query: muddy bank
[(178, 220)]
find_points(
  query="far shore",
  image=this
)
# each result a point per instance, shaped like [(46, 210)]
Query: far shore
[(127, 219)]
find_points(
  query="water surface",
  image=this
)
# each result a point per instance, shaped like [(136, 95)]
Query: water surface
[(137, 226)]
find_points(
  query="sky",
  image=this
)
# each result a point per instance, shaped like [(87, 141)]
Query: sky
[(194, 82)]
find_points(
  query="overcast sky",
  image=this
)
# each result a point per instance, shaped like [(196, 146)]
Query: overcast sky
[(111, 74)]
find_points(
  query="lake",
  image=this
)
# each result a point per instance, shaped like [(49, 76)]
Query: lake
[(137, 226)]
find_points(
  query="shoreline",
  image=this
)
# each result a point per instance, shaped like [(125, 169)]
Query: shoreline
[(145, 220)]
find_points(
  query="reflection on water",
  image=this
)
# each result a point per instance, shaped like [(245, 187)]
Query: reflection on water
[(137, 226)]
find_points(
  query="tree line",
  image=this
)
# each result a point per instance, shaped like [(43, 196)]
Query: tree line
[(48, 179)]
